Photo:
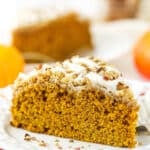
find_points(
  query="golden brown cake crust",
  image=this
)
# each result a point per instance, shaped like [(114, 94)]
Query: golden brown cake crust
[(70, 104), (58, 38)]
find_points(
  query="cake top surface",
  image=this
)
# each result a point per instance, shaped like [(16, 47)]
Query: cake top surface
[(80, 72)]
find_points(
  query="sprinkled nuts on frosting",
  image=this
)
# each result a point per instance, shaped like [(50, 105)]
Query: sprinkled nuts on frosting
[(101, 69), (122, 86), (38, 67), (79, 72), (110, 75)]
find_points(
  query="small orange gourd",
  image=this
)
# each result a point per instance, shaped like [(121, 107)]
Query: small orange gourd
[(11, 63)]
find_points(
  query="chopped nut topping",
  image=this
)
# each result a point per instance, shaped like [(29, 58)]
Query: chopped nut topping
[(75, 75), (79, 83), (86, 67), (100, 69), (101, 63), (110, 75), (48, 68), (38, 67), (42, 143), (27, 137), (121, 86), (96, 60)]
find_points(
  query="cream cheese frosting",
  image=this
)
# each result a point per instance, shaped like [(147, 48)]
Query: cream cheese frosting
[(95, 70)]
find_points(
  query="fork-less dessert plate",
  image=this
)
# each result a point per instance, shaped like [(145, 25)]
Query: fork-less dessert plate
[(19, 139)]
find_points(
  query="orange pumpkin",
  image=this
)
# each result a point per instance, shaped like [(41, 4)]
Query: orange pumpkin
[(11, 63), (142, 55)]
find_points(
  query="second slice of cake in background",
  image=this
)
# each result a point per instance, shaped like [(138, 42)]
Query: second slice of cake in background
[(58, 35)]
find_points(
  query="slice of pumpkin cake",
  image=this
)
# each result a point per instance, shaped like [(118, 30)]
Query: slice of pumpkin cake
[(81, 98), (58, 35)]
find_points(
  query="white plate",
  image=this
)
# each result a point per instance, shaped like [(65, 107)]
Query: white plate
[(13, 138)]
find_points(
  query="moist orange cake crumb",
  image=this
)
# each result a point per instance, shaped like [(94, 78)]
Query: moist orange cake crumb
[(81, 98)]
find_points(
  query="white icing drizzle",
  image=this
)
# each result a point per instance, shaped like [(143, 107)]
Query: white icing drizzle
[(98, 80), (79, 66), (73, 67)]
